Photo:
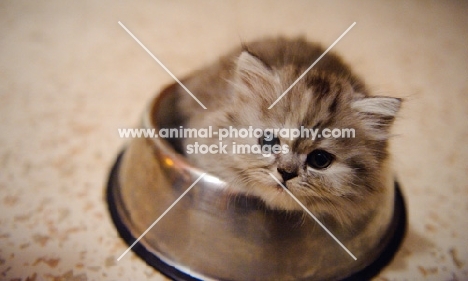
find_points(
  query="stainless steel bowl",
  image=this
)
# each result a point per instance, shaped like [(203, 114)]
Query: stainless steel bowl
[(215, 234)]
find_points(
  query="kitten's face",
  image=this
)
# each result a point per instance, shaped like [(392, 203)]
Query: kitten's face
[(331, 176)]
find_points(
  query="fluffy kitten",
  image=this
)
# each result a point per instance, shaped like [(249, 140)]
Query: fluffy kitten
[(341, 178)]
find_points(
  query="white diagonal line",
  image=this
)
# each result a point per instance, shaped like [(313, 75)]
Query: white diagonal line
[(160, 217), (310, 67), (162, 65), (316, 220)]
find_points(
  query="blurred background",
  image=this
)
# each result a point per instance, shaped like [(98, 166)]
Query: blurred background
[(70, 76)]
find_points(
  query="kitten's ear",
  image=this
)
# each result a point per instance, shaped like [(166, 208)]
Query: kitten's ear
[(377, 114), (251, 71)]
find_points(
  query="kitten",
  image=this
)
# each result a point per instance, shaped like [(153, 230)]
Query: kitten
[(338, 178)]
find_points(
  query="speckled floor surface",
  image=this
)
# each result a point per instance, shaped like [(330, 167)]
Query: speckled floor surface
[(70, 76)]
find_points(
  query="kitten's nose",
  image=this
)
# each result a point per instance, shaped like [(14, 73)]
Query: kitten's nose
[(287, 175)]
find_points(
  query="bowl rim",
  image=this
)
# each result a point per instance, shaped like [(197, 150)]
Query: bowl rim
[(149, 122)]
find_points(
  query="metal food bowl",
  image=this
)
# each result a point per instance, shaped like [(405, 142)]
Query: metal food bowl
[(215, 234)]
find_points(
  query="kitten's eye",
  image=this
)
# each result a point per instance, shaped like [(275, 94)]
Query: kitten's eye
[(268, 140), (319, 159)]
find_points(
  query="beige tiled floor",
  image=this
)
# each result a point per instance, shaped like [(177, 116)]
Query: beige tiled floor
[(70, 76)]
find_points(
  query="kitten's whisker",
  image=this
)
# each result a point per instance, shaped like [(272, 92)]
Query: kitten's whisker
[(315, 218)]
